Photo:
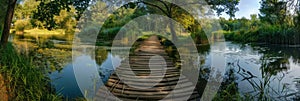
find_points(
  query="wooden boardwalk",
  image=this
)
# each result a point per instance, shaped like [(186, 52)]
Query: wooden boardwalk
[(139, 65)]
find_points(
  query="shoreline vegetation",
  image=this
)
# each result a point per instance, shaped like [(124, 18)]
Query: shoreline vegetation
[(23, 80), (25, 72)]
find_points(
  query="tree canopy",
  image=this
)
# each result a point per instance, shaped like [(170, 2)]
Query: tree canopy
[(51, 14)]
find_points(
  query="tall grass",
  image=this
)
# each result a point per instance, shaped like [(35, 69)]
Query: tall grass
[(23, 80)]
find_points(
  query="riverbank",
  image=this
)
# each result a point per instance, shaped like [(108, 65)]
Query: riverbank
[(23, 80), (267, 44), (280, 45)]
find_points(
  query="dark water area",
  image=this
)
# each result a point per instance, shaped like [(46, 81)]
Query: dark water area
[(261, 71), (65, 83)]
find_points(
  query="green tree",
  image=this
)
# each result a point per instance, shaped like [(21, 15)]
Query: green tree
[(45, 13), (95, 16), (26, 9), (47, 9), (175, 12), (21, 25), (66, 20), (254, 21), (273, 11)]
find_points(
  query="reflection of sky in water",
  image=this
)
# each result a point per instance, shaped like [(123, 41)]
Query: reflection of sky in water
[(65, 81), (248, 56), (249, 59), (107, 67)]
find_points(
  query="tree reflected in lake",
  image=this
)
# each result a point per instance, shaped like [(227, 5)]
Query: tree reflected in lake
[(101, 55), (255, 72)]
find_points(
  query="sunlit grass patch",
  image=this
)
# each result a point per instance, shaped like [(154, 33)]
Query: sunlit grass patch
[(44, 32), (38, 34)]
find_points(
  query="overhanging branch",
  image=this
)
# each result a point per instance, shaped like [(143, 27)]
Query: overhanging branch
[(155, 6), (168, 9)]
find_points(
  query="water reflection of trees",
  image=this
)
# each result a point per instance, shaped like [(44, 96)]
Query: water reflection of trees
[(101, 55), (229, 87), (297, 95), (281, 51), (267, 85), (274, 64)]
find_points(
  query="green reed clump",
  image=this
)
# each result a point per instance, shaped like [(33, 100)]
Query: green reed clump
[(23, 80)]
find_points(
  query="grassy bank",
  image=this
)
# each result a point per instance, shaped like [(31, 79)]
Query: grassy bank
[(269, 34), (23, 80)]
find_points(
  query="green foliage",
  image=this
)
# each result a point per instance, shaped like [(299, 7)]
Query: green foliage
[(115, 22), (227, 6), (199, 37), (24, 17), (21, 25), (23, 79), (46, 10), (94, 16), (133, 10), (45, 43), (229, 89), (26, 9), (3, 8), (229, 93), (273, 11), (101, 55), (65, 20), (87, 33), (259, 30), (35, 34)]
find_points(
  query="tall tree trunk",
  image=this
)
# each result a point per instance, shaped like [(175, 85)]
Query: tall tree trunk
[(172, 29), (7, 22)]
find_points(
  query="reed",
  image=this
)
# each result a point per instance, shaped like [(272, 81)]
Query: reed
[(23, 80)]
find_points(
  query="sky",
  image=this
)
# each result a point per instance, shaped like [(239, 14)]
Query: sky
[(246, 8)]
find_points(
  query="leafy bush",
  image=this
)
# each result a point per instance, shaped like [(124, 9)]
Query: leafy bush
[(199, 37), (266, 33), (21, 25), (45, 43)]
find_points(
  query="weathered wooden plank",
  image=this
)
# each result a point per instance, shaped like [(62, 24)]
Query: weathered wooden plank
[(139, 64)]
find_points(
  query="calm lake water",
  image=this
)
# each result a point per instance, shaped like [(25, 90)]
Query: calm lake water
[(273, 71), (268, 70), (65, 81)]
